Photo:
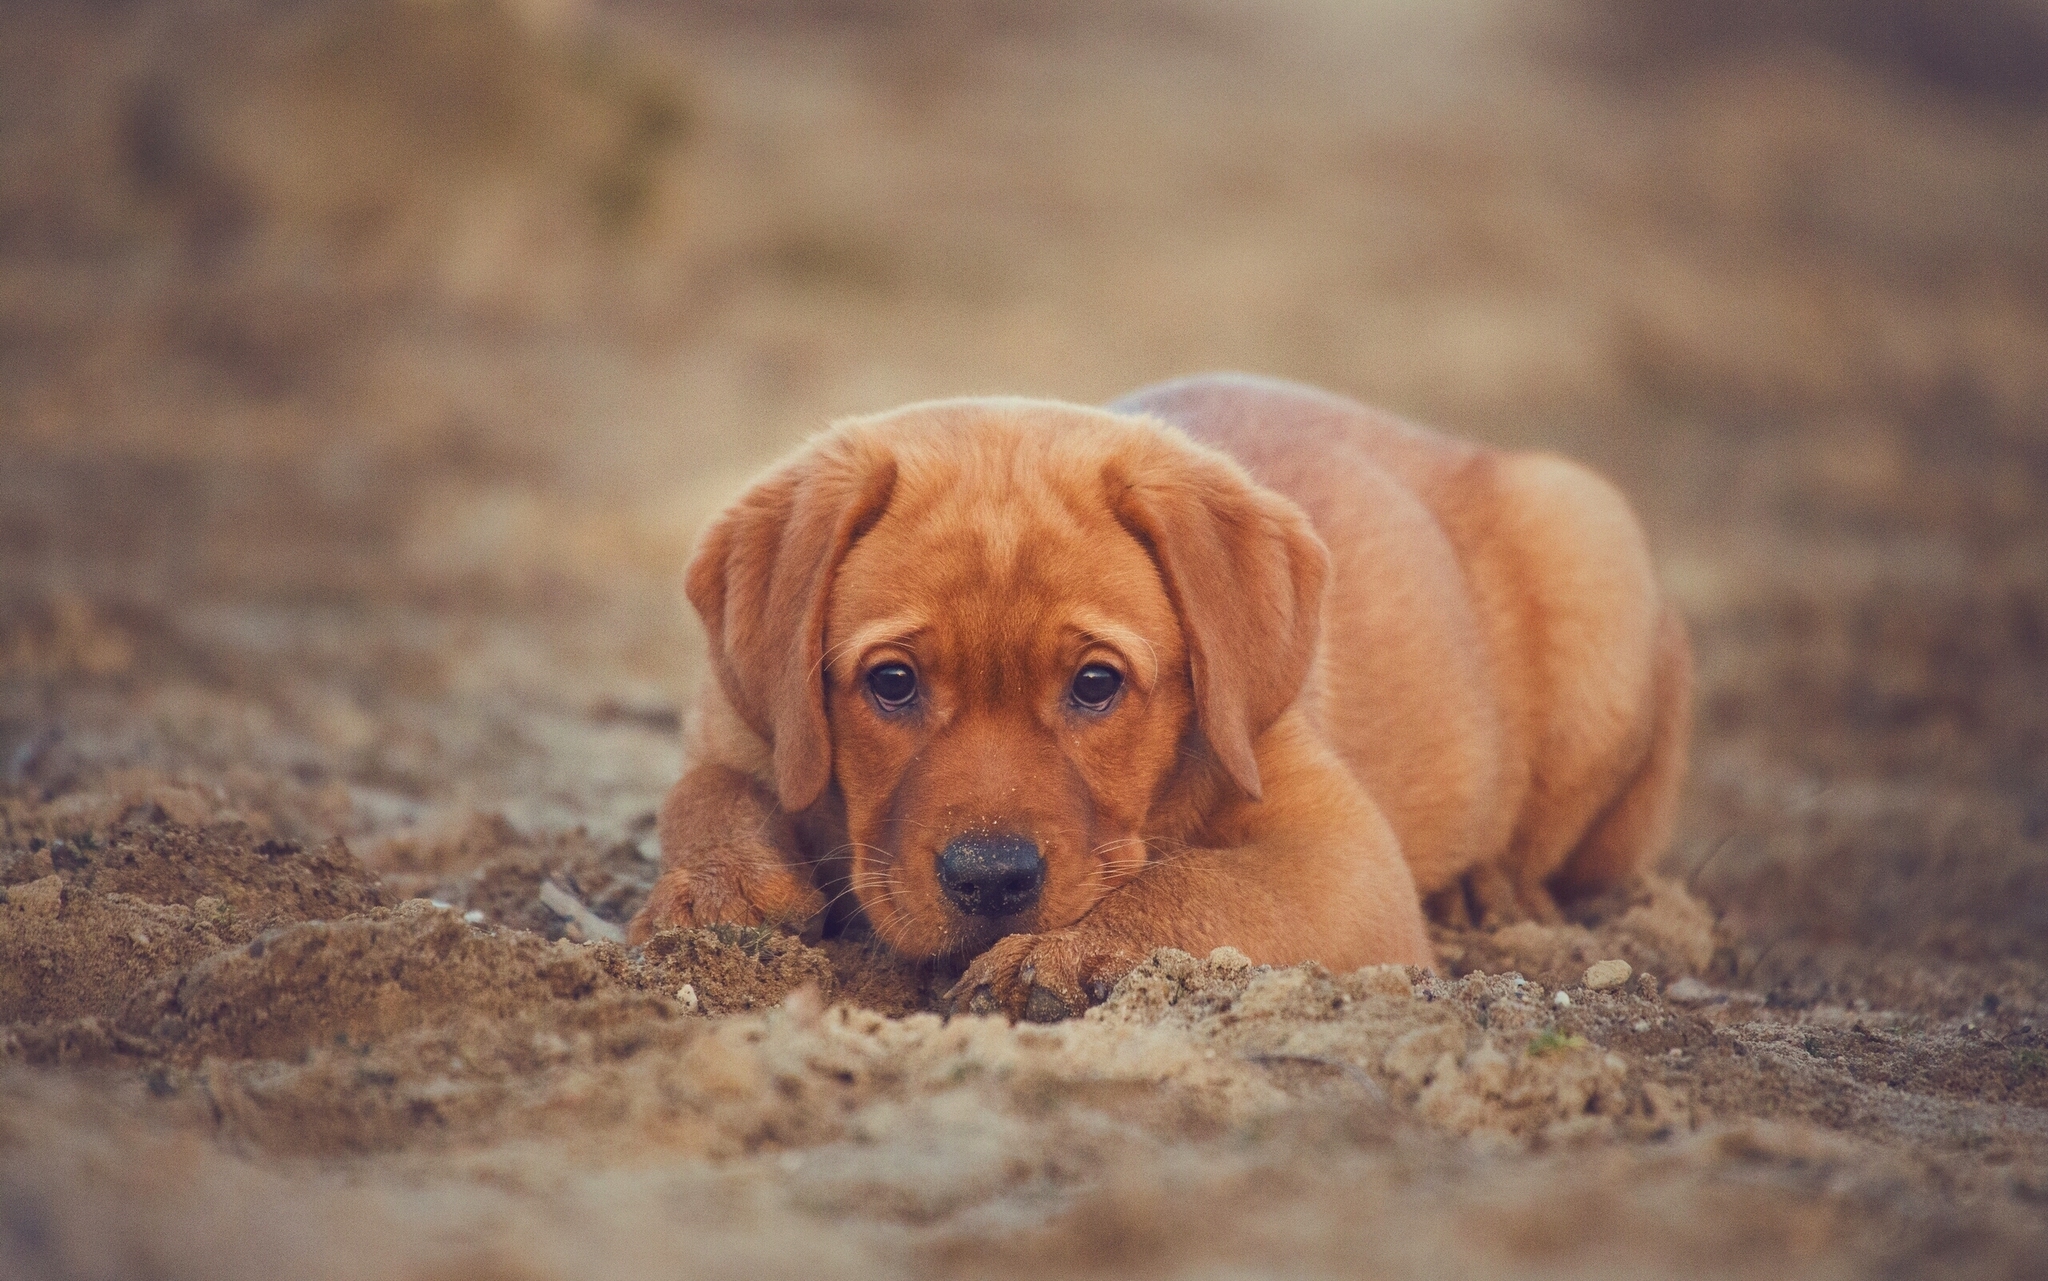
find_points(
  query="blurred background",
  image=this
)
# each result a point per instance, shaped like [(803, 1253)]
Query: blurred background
[(367, 366)]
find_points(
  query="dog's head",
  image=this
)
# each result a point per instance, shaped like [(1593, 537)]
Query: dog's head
[(1011, 633)]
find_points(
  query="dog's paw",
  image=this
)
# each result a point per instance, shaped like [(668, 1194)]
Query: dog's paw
[(1043, 978), (727, 893)]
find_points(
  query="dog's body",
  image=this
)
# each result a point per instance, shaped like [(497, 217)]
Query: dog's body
[(1499, 668), (1064, 685)]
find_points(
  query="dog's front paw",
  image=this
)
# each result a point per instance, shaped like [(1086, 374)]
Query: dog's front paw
[(728, 893), (1043, 978)]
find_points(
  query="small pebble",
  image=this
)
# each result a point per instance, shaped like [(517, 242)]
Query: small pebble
[(687, 994), (474, 916), (1561, 1000), (1602, 975), (1641, 1025)]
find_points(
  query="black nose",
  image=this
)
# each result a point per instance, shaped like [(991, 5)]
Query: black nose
[(991, 875)]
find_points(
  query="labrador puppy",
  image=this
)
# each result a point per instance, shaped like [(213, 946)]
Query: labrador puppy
[(1232, 661)]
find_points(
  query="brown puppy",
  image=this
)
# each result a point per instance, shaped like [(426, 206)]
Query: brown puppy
[(1060, 686)]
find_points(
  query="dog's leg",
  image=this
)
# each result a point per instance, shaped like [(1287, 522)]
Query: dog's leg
[(1571, 565), (1637, 825), (1311, 872), (728, 855)]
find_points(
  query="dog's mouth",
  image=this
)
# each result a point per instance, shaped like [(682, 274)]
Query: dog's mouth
[(937, 933), (969, 936)]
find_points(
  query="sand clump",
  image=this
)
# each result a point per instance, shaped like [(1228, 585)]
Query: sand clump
[(1654, 923), (731, 969), (1484, 1055), (1185, 1048), (88, 918)]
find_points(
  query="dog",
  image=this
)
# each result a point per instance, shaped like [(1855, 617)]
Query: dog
[(1231, 661)]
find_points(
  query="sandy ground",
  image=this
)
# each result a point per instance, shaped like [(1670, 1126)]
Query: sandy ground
[(365, 370)]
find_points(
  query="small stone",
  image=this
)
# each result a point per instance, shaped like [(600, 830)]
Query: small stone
[(1602, 975), (687, 994), (474, 916), (1640, 1025), (1561, 1000)]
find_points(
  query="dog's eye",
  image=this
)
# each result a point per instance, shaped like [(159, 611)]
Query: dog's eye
[(1095, 685), (893, 686)]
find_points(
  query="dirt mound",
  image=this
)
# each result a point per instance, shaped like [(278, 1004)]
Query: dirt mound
[(360, 980), (1653, 923), (64, 959), (259, 879), (1490, 1055), (88, 919), (725, 969), (1233, 1046)]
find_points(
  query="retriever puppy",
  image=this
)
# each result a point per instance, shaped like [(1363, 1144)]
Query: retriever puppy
[(1232, 661)]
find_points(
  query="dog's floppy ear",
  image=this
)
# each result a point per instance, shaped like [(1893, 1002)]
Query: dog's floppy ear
[(1245, 571), (759, 581)]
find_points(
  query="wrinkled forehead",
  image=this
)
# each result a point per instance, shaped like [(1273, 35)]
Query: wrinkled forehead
[(990, 555)]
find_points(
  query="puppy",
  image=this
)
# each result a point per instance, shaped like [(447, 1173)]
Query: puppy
[(1233, 661)]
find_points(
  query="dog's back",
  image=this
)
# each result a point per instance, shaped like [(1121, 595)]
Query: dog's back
[(1497, 665)]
